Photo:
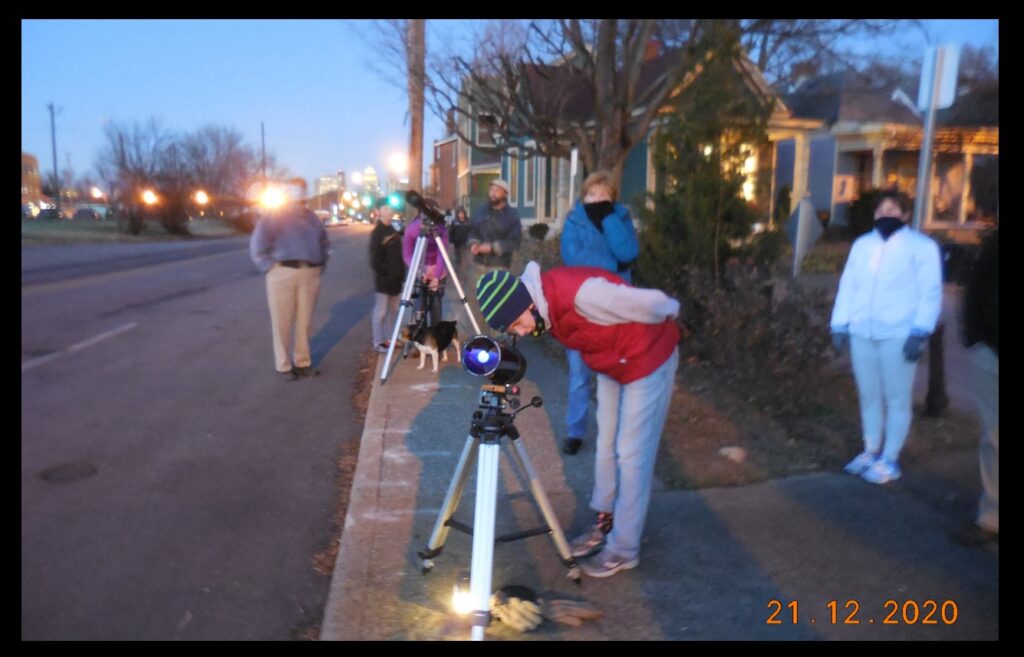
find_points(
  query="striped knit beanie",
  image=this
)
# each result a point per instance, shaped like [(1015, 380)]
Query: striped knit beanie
[(503, 298)]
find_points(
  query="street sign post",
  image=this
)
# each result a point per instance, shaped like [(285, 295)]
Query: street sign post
[(938, 88)]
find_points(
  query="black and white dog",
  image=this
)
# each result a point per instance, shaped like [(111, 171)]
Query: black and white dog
[(433, 340)]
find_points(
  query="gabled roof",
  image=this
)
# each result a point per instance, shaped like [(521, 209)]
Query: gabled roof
[(558, 90), (848, 97)]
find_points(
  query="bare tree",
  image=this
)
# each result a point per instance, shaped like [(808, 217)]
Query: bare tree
[(599, 84)]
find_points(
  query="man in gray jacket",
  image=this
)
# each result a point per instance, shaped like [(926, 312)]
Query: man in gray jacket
[(495, 234), (289, 246)]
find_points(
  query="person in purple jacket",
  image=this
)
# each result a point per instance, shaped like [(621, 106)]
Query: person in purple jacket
[(432, 275)]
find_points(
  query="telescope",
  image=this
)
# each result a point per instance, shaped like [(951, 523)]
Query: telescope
[(501, 362), (427, 206)]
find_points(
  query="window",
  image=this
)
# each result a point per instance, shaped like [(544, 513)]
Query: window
[(984, 202), (530, 183), (485, 125), (513, 178)]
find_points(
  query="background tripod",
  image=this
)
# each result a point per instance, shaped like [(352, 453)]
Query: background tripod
[(483, 445), (428, 231)]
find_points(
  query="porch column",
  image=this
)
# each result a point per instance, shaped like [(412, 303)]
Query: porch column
[(877, 162), (965, 192), (801, 161)]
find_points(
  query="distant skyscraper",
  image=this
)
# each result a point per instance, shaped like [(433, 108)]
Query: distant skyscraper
[(370, 183), (327, 184)]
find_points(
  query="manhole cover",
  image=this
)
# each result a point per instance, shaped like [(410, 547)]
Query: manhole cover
[(68, 472)]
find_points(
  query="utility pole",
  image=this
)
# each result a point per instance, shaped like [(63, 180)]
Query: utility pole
[(416, 52), (53, 138), (263, 149)]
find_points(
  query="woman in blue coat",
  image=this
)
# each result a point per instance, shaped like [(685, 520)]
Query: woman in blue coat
[(598, 232)]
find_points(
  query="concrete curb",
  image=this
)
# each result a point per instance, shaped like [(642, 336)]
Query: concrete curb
[(352, 564)]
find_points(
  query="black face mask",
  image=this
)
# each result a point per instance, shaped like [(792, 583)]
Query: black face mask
[(596, 212), (541, 326), (888, 225)]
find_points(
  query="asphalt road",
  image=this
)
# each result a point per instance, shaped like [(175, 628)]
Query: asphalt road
[(172, 487)]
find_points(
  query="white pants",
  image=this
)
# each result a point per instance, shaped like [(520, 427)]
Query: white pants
[(291, 294), (885, 379), (985, 384), (630, 419)]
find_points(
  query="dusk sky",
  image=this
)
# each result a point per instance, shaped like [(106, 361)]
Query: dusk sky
[(308, 80)]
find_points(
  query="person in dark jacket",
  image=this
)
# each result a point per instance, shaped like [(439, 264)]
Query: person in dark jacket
[(460, 234), (495, 234), (389, 276), (981, 335), (598, 233)]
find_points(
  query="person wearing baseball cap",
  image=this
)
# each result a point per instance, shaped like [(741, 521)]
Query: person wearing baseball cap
[(629, 337), (495, 233)]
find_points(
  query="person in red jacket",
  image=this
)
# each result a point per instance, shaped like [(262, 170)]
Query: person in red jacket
[(630, 338)]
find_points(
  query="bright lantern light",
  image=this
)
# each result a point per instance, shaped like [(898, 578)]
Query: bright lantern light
[(96, 193), (202, 198), (462, 600), (148, 197)]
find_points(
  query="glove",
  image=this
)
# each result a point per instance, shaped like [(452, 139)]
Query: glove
[(519, 613), (569, 612), (914, 346), (596, 212), (841, 341)]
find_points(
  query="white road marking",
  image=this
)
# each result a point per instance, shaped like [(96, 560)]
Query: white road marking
[(42, 360)]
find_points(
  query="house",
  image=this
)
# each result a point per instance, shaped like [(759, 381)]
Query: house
[(832, 139), (871, 138), (540, 186)]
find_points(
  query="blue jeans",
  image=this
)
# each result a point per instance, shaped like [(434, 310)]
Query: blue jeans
[(630, 419), (885, 380), (580, 377)]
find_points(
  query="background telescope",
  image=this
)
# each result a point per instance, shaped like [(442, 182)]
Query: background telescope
[(427, 206), (501, 362)]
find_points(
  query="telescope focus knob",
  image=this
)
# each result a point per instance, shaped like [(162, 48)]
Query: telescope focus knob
[(537, 402)]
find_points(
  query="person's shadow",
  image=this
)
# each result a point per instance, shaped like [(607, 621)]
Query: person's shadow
[(344, 315)]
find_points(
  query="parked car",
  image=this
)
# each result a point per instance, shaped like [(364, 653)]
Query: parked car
[(52, 214), (86, 214)]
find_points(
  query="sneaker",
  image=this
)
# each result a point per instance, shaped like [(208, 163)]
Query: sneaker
[(861, 463), (607, 563), (589, 543), (572, 445), (882, 471), (290, 375), (308, 372)]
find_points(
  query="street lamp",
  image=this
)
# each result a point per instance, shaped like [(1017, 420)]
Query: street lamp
[(398, 163), (96, 193), (202, 198), (149, 197)]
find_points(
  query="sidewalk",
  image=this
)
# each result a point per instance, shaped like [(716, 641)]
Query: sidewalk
[(712, 559)]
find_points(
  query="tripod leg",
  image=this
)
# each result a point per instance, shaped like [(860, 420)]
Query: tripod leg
[(481, 571), (405, 303), (541, 498), (451, 503), (458, 286)]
